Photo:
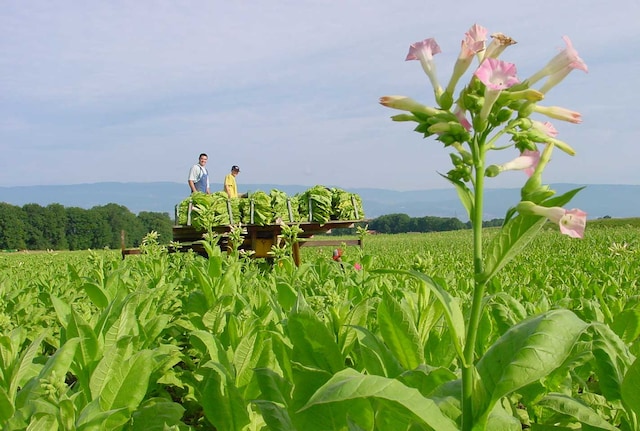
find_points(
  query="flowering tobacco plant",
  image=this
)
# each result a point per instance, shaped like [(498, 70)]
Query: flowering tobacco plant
[(492, 112)]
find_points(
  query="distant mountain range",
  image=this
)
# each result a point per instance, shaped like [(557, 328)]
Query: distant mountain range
[(598, 200)]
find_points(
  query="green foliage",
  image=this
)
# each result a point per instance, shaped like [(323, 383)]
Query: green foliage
[(54, 227), (178, 341), (402, 223)]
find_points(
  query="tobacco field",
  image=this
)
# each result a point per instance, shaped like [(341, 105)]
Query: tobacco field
[(175, 341)]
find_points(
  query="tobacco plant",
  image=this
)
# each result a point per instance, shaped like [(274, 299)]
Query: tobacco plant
[(475, 123)]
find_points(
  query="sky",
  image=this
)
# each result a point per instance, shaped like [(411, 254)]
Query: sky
[(134, 91)]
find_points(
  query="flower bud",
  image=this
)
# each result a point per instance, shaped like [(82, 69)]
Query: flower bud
[(449, 127), (525, 123), (446, 100), (406, 104), (492, 171), (526, 109), (404, 117), (455, 159), (503, 115)]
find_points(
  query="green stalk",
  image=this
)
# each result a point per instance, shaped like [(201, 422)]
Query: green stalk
[(478, 292)]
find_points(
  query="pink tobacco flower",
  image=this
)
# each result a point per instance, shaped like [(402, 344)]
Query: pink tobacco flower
[(545, 132), (559, 113), (546, 128), (559, 66), (424, 52), (357, 266), (527, 162), (571, 222), (472, 44), (496, 75), (459, 113), (476, 36)]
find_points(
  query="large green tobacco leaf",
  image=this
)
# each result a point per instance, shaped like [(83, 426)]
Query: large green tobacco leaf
[(6, 406), (313, 343), (399, 333), (612, 360), (98, 296), (273, 387), (57, 365), (127, 385), (43, 423), (426, 379), (348, 385), (17, 371), (63, 310), (246, 357), (90, 348), (510, 241), (357, 316), (527, 352), (275, 416), (573, 408), (93, 418), (375, 355), (627, 324), (109, 365), (452, 311), (465, 195), (206, 282), (210, 347), (223, 405), (354, 415), (157, 414), (630, 385), (124, 325)]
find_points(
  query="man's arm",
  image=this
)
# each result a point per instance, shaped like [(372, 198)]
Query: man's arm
[(193, 177), (226, 186)]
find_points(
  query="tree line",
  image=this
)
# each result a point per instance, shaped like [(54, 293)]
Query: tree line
[(54, 227), (401, 223)]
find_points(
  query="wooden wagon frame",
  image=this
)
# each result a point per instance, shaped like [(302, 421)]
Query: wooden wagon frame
[(261, 238)]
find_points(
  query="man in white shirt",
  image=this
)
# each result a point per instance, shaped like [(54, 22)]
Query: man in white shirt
[(198, 176)]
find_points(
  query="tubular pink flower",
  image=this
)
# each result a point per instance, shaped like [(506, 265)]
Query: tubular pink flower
[(496, 75), (554, 79), (357, 266), (472, 44), (499, 42), (571, 222), (424, 51), (459, 113), (546, 133), (546, 128), (559, 66), (527, 162), (477, 34), (559, 113)]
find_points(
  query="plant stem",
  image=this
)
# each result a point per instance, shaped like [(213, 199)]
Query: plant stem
[(478, 292)]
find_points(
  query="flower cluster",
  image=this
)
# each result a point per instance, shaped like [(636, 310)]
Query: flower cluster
[(495, 103)]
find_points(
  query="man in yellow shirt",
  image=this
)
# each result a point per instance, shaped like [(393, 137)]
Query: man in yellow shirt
[(230, 182)]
